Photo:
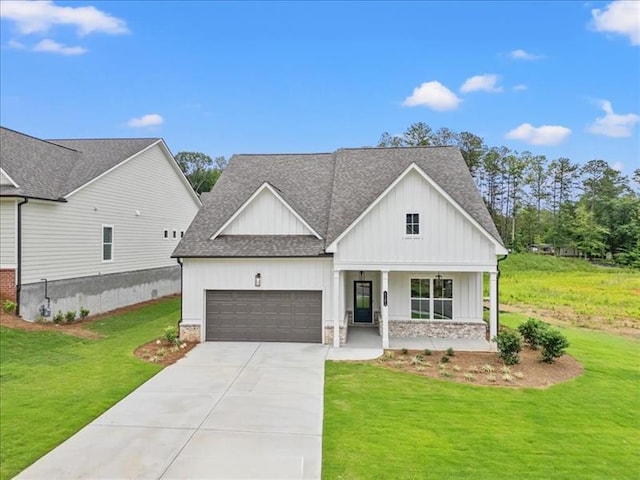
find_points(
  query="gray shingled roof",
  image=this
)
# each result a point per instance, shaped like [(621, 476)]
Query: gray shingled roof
[(328, 190), (51, 169)]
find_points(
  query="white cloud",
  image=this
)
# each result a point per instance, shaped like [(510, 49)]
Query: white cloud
[(486, 83), (51, 46), (524, 55), (619, 166), (621, 17), (612, 124), (148, 120), (433, 95), (543, 135), (38, 17), (520, 87), (16, 45)]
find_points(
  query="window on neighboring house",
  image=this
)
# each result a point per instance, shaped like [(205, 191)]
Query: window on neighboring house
[(413, 224), (181, 233), (175, 234), (165, 234), (431, 299), (107, 243)]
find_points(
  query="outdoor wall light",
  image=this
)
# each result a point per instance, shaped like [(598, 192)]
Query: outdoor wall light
[(258, 279)]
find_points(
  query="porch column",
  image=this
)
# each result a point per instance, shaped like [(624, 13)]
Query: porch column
[(336, 308), (493, 306), (385, 308)]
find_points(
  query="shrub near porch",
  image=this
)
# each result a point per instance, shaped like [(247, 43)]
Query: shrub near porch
[(383, 424)]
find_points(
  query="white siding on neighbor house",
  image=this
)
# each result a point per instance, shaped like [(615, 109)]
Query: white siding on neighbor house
[(446, 236), (8, 234), (202, 274), (266, 215), (140, 199), (467, 294)]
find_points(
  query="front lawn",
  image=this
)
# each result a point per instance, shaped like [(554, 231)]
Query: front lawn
[(388, 425), (52, 384)]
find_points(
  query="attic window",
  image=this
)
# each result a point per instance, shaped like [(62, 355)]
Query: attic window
[(413, 224), (181, 233), (165, 234), (175, 234)]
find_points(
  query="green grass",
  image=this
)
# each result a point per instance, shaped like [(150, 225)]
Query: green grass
[(52, 384), (389, 425), (572, 289)]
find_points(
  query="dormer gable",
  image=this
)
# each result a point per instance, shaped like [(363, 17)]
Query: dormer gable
[(266, 212)]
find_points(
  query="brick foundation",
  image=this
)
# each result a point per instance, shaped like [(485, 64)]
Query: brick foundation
[(189, 333), (8, 284)]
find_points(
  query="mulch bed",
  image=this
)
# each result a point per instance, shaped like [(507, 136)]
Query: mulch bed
[(486, 368), (163, 353)]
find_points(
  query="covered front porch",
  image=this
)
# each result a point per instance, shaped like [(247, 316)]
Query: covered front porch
[(413, 309)]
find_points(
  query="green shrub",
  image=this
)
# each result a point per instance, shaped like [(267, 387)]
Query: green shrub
[(404, 351), (426, 351), (444, 359), (509, 345), (170, 335), (532, 331), (58, 317), (553, 344), (84, 312), (70, 316), (9, 306), (450, 352)]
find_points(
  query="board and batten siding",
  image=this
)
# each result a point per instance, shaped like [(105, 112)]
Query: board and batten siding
[(8, 233), (202, 274), (266, 215), (446, 236), (140, 199), (467, 294)]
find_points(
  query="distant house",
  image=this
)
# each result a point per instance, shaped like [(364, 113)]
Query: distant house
[(543, 248), (302, 247), (89, 223)]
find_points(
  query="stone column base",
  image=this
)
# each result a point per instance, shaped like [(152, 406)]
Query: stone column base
[(190, 333)]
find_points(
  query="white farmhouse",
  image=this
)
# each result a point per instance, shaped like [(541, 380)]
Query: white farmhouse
[(89, 223), (303, 247)]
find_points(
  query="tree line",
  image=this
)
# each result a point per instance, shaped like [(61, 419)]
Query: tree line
[(557, 205)]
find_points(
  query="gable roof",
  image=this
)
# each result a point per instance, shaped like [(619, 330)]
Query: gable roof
[(329, 190), (52, 169)]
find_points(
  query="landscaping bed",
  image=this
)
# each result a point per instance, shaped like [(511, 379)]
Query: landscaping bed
[(483, 368)]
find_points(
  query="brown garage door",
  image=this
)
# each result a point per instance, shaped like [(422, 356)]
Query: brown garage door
[(264, 316)]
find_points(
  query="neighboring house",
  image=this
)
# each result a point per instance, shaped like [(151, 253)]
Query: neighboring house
[(89, 223), (300, 247)]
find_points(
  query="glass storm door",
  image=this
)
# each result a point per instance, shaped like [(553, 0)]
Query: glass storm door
[(362, 302)]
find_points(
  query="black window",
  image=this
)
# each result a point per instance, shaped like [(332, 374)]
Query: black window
[(413, 224)]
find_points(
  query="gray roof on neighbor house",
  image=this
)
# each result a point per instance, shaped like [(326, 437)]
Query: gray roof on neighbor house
[(51, 169), (328, 190)]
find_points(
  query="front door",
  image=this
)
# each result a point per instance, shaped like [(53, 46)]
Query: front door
[(362, 302)]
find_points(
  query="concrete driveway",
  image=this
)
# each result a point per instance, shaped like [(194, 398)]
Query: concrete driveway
[(226, 410)]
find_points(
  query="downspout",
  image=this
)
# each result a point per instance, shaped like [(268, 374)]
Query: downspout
[(504, 257), (19, 255), (181, 284)]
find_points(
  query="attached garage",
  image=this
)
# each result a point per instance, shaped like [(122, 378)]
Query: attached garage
[(264, 315)]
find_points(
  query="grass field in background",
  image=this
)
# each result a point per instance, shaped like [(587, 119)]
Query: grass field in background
[(52, 384), (389, 425), (572, 289)]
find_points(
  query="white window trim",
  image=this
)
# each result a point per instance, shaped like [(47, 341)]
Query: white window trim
[(432, 298), (413, 236), (112, 244)]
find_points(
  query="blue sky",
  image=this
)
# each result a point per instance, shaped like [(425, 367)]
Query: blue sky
[(557, 78)]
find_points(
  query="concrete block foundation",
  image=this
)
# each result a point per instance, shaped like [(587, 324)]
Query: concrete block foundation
[(99, 293)]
